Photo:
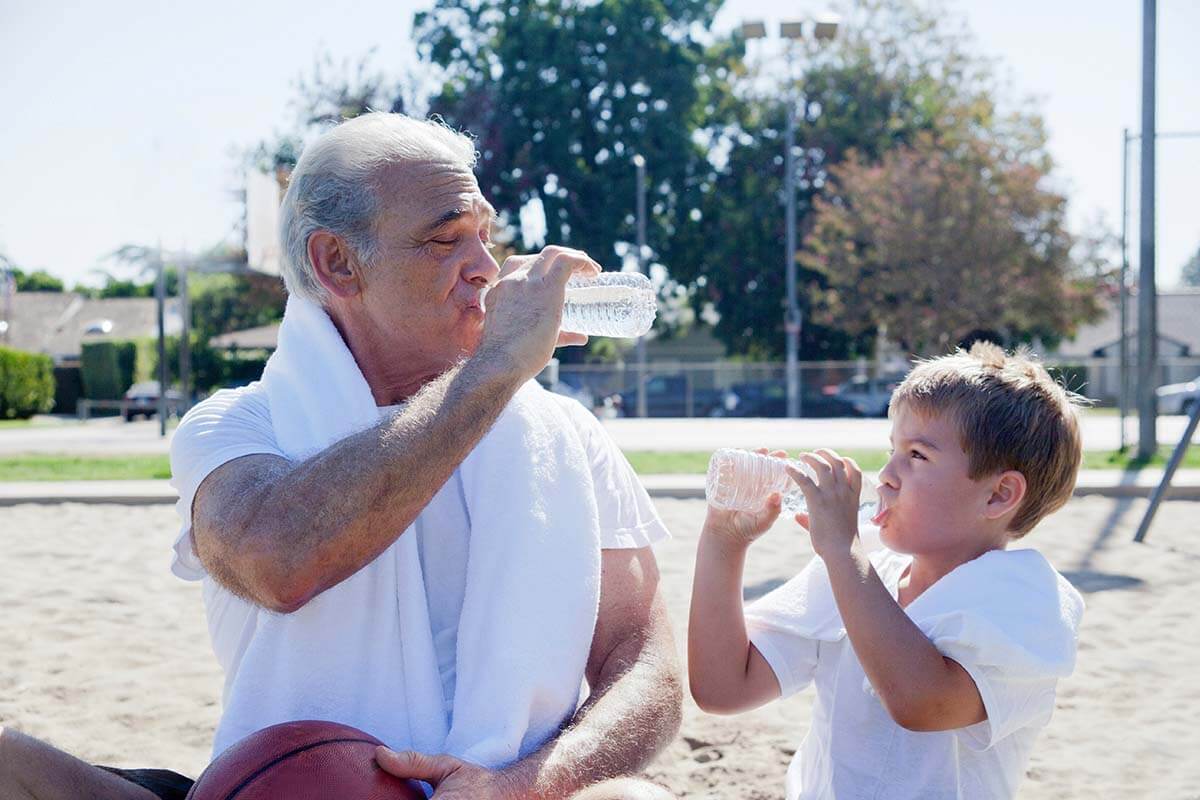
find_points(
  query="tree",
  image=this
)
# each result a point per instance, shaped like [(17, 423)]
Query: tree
[(939, 239), (897, 72), (1191, 270), (36, 281), (562, 94)]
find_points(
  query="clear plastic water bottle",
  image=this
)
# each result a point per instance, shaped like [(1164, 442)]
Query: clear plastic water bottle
[(741, 480), (621, 304)]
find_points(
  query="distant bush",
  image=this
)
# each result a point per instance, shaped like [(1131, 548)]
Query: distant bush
[(26, 384), (108, 368)]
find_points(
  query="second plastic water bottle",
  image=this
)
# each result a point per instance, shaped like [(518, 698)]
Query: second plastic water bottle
[(741, 480)]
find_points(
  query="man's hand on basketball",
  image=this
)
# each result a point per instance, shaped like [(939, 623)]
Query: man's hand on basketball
[(451, 778)]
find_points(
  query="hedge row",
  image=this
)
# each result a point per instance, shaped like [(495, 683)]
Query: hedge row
[(110, 367), (107, 368), (26, 384)]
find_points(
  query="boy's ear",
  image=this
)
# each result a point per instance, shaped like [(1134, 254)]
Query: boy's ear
[(1008, 491)]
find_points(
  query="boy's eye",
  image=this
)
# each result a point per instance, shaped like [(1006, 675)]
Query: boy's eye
[(916, 454)]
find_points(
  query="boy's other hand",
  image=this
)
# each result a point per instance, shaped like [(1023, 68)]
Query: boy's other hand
[(741, 528), (832, 518)]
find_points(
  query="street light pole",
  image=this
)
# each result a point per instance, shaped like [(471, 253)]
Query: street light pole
[(640, 163), (1147, 295), (1123, 389), (160, 296), (791, 320)]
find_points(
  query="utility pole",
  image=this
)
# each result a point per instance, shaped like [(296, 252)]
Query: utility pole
[(640, 162), (185, 342), (1123, 388), (160, 296), (1147, 294)]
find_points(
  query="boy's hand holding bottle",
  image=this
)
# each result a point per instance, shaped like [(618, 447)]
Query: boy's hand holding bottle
[(741, 528), (832, 493)]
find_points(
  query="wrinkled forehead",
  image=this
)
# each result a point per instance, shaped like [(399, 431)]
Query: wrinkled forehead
[(422, 194)]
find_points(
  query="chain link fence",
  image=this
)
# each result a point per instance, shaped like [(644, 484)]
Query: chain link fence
[(859, 388)]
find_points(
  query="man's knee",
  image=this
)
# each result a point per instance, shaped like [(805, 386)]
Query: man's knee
[(624, 789)]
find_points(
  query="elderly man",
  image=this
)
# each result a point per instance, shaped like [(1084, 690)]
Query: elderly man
[(395, 528)]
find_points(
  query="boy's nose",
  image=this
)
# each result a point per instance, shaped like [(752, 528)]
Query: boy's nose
[(888, 477)]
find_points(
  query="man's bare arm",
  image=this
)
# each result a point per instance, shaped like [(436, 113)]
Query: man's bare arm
[(635, 706), (280, 533)]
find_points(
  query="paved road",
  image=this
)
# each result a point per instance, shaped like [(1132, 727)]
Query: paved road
[(112, 435)]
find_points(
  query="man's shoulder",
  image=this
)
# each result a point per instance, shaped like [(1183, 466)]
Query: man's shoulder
[(227, 418), (247, 400)]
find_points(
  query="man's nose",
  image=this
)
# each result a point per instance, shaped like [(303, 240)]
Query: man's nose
[(482, 270)]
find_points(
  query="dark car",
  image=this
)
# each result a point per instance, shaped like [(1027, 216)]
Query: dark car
[(667, 396), (142, 399), (769, 399)]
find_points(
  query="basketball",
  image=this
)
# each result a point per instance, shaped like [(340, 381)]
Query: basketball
[(306, 760)]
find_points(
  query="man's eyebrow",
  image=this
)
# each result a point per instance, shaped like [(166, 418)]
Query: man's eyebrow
[(454, 214)]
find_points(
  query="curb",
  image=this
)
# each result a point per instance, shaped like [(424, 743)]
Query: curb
[(1092, 483)]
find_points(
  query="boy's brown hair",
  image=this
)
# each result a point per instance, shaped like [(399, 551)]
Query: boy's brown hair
[(1010, 414)]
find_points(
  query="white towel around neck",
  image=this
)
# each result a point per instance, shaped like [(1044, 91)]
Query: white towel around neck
[(361, 653)]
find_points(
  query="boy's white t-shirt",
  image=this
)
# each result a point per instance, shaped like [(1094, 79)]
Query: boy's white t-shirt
[(235, 423), (855, 749)]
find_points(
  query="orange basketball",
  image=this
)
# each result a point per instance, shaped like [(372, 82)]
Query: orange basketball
[(306, 760)]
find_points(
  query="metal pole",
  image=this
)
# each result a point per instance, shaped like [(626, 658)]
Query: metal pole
[(160, 296), (640, 162), (1161, 490), (791, 320), (1123, 387), (1147, 295), (185, 341)]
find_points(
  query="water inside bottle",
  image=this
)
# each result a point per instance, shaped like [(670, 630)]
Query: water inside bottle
[(742, 480)]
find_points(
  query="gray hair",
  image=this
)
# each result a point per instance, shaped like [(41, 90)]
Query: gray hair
[(334, 186)]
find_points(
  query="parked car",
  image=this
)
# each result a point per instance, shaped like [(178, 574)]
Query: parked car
[(1178, 398), (667, 396), (871, 396), (142, 399), (769, 399)]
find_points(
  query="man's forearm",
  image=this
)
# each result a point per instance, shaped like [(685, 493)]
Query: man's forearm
[(633, 712), (329, 516)]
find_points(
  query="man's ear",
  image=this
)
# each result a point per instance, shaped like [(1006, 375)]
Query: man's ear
[(1008, 491), (335, 264)]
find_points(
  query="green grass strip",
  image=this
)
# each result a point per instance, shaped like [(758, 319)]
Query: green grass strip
[(645, 462), (35, 467), (651, 462)]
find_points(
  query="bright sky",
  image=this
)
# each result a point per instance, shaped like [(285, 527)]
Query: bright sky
[(122, 117)]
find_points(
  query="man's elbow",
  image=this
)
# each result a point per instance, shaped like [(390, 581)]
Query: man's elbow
[(260, 576)]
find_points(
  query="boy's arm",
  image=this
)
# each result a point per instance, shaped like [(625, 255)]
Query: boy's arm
[(726, 673), (921, 689)]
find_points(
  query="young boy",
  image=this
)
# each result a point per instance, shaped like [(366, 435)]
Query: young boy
[(935, 657)]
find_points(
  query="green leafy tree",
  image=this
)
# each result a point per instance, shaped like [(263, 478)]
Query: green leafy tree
[(1191, 270), (896, 72), (936, 241), (562, 94), (36, 281)]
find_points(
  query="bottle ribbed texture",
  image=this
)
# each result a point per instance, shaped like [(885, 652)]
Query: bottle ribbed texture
[(741, 480), (620, 304)]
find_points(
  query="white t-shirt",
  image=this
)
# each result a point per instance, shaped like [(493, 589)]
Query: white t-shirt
[(235, 423), (855, 749)]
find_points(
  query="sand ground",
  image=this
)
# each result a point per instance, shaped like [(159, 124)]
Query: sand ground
[(105, 654)]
